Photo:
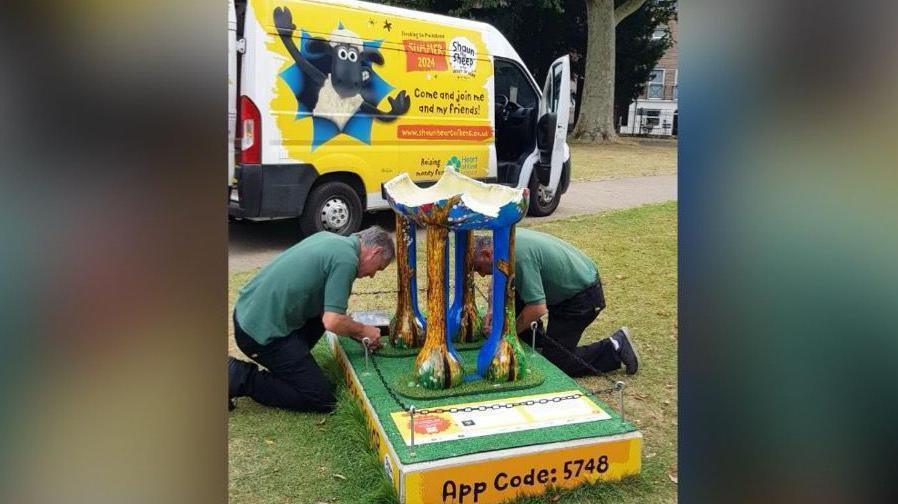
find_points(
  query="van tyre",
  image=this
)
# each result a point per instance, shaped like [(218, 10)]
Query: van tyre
[(539, 205), (334, 207)]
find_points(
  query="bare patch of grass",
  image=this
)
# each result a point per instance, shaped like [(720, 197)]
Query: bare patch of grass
[(630, 158)]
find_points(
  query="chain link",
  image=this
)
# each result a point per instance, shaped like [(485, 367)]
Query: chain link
[(395, 291), (379, 292), (390, 390), (481, 408), (579, 359)]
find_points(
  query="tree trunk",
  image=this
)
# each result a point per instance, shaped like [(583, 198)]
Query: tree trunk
[(596, 120), (597, 103)]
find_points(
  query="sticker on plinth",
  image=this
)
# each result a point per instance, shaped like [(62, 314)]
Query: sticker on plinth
[(483, 419)]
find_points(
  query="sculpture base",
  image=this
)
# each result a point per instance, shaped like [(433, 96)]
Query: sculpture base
[(406, 385), (381, 320), (484, 450), (388, 350)]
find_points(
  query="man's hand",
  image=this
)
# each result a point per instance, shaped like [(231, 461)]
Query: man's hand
[(343, 325), (530, 313), (373, 335)]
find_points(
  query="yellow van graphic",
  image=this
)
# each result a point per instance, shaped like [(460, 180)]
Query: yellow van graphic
[(334, 98), (403, 94)]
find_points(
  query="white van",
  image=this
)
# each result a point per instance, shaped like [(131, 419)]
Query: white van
[(329, 100)]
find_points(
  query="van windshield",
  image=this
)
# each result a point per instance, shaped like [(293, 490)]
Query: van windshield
[(512, 83)]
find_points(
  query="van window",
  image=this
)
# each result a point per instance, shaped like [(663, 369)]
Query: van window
[(511, 82), (556, 86)]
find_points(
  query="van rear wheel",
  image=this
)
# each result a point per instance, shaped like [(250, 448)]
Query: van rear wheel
[(334, 207), (540, 204)]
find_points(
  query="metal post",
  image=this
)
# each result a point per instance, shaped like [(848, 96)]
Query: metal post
[(411, 428), (533, 337), (365, 343), (619, 386)]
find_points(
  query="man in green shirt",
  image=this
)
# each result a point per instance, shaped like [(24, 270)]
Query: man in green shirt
[(283, 311), (552, 276)]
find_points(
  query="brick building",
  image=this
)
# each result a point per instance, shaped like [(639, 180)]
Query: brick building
[(655, 111)]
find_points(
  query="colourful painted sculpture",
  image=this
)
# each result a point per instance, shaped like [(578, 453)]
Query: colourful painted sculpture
[(460, 204), (438, 364), (507, 362), (465, 323), (407, 326)]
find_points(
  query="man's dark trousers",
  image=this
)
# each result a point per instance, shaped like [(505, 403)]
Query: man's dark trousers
[(293, 380), (567, 321)]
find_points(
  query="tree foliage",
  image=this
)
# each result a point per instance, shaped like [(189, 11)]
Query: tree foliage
[(539, 30), (469, 8), (543, 30), (637, 53)]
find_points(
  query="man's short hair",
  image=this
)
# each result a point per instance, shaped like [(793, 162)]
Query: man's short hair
[(375, 236), (482, 242)]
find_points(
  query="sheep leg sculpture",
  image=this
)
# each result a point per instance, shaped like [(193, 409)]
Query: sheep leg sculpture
[(437, 365), (502, 356), (461, 204), (465, 324), (407, 326)]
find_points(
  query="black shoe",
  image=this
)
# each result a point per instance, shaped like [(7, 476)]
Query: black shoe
[(237, 373), (232, 404), (627, 352)]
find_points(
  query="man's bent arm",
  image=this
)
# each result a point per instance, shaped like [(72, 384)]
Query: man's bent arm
[(528, 315), (343, 325)]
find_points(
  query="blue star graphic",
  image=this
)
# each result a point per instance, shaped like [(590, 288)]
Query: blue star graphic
[(359, 125)]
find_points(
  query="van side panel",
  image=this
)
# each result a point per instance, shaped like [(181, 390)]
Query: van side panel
[(425, 97)]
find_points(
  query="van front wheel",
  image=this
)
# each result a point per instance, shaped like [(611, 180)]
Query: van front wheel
[(540, 204), (334, 207)]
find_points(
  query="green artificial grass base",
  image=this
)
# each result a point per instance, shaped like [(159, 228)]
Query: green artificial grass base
[(384, 404), (406, 385), (388, 350)]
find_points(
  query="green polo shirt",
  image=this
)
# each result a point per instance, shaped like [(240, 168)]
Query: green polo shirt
[(303, 282), (549, 270)]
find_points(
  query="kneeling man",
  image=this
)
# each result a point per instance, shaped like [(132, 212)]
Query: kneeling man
[(283, 311), (552, 276)]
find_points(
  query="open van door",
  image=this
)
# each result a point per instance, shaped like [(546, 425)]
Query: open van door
[(232, 90), (554, 112)]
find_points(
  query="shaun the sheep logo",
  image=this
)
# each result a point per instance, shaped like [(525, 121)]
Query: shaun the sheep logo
[(335, 83)]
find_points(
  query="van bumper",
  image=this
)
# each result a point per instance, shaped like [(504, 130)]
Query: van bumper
[(271, 190)]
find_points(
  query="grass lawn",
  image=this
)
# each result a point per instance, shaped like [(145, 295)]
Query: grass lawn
[(634, 157), (277, 456)]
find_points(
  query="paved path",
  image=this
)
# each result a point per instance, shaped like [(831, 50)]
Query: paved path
[(254, 244), (616, 194)]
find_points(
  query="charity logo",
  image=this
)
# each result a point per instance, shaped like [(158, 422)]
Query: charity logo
[(429, 424), (464, 56), (335, 81), (454, 163)]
